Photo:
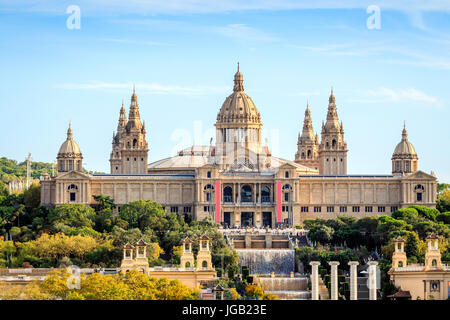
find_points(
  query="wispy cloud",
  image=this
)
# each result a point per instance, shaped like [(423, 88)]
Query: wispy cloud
[(405, 95), (139, 42), (153, 88), (244, 32)]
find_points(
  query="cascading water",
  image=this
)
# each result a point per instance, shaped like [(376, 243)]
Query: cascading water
[(281, 262), (286, 288), (266, 261)]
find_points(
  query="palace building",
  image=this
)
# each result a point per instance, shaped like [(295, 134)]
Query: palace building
[(238, 181)]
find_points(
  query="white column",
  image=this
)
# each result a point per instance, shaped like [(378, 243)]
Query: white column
[(334, 279), (314, 280), (353, 280), (372, 280)]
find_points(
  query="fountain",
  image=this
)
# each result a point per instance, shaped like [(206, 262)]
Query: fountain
[(286, 288), (280, 265), (266, 261)]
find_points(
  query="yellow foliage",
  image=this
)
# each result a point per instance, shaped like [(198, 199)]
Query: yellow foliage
[(154, 250), (234, 294), (60, 245), (253, 290), (130, 286)]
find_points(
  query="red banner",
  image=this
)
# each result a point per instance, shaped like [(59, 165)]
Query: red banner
[(218, 192), (278, 201)]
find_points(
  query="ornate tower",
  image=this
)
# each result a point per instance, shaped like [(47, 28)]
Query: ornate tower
[(204, 254), (404, 159), (399, 256), (69, 156), (187, 257), (308, 144), (129, 146), (433, 254), (332, 148), (238, 131)]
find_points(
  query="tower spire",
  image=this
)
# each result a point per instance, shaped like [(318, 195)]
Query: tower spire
[(238, 81), (69, 132)]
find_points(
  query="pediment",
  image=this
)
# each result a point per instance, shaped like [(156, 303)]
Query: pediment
[(419, 175), (72, 175)]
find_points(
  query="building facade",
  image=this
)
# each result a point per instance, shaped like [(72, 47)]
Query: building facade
[(237, 181)]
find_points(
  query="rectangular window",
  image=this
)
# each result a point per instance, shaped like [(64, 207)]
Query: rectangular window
[(206, 208), (72, 196), (393, 209), (419, 196), (187, 209), (330, 209), (342, 209), (355, 209), (208, 174), (174, 209), (381, 209), (286, 197), (304, 209), (368, 209), (317, 209), (208, 196)]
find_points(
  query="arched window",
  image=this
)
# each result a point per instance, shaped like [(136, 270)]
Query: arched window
[(187, 265), (333, 144), (265, 194), (72, 186), (209, 190), (303, 155), (128, 145), (246, 194), (327, 145), (227, 194), (286, 174), (204, 265), (434, 263), (286, 191), (400, 264), (309, 154), (134, 143)]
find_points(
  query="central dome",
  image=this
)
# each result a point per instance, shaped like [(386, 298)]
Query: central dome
[(70, 147), (405, 148), (238, 106)]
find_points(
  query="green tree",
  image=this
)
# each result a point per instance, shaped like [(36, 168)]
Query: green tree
[(73, 215), (321, 234), (3, 189)]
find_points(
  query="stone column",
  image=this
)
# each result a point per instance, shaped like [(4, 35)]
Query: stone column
[(334, 279), (372, 282), (314, 280), (353, 280)]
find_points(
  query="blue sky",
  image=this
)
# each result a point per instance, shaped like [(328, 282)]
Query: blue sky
[(182, 56)]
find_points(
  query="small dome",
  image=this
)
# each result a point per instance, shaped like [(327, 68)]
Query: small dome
[(404, 148), (238, 106), (69, 148)]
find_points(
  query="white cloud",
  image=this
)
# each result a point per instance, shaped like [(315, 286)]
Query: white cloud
[(405, 95), (242, 31), (141, 42), (153, 88)]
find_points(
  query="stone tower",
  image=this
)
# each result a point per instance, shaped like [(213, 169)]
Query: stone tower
[(308, 144), (204, 255), (69, 155), (129, 146), (433, 254), (399, 256), (238, 130), (332, 148), (404, 159), (187, 257)]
